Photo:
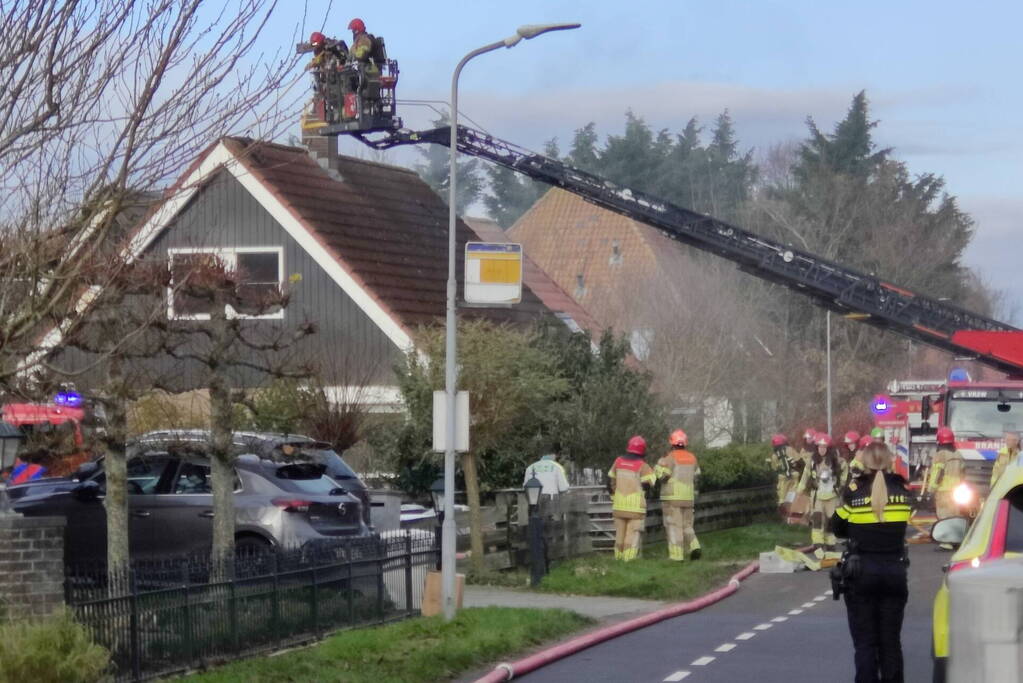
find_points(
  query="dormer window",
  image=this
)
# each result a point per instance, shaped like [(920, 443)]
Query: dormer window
[(616, 254), (580, 286)]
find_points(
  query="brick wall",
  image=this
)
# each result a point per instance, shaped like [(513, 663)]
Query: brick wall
[(31, 565)]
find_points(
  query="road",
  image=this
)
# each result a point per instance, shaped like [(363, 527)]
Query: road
[(776, 628)]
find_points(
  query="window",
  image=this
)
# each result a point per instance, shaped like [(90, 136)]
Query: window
[(193, 478), (260, 271), (1014, 529)]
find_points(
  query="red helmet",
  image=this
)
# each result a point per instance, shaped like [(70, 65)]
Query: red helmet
[(678, 438), (810, 434), (357, 25), (824, 440), (317, 38), (865, 441), (637, 446), (945, 436), (779, 440), (852, 438)]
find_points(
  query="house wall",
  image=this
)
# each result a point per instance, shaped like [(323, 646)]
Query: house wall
[(348, 347)]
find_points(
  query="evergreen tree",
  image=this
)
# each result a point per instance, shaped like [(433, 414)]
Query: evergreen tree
[(435, 171), (512, 194), (583, 152)]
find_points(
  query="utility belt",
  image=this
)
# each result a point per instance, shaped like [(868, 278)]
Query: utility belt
[(850, 568)]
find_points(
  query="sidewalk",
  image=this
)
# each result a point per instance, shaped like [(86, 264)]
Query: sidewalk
[(600, 608)]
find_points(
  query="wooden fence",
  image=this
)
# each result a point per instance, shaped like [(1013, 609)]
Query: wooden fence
[(580, 521)]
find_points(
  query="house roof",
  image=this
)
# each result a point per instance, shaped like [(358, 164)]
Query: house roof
[(591, 252), (542, 284)]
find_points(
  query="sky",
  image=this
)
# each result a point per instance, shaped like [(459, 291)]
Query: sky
[(941, 77)]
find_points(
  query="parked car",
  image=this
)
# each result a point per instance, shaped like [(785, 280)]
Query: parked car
[(277, 446), (278, 503), (997, 532)]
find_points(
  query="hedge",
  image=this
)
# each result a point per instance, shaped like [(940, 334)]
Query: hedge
[(736, 466)]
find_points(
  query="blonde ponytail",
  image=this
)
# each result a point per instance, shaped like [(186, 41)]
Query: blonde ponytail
[(879, 495), (878, 458)]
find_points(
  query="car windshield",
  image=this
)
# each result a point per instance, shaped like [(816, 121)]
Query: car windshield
[(981, 418), (336, 467), (1014, 529), (304, 478)]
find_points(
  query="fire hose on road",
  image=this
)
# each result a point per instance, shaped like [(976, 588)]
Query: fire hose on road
[(508, 671)]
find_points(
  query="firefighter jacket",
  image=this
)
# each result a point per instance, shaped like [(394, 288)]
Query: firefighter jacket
[(782, 459), (550, 473), (1004, 459), (821, 479), (948, 470), (680, 469), (628, 475), (856, 520)]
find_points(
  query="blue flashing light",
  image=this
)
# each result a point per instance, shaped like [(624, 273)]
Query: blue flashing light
[(69, 399), (881, 405), (958, 375)]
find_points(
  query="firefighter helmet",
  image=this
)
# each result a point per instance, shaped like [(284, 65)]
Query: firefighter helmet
[(877, 434), (357, 25), (810, 434), (317, 39), (852, 438), (945, 436), (637, 446), (865, 441), (779, 440), (824, 440), (679, 439)]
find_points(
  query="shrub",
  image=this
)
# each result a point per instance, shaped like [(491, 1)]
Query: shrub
[(736, 466), (53, 650)]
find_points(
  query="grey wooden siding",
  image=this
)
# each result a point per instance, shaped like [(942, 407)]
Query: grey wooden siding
[(347, 347)]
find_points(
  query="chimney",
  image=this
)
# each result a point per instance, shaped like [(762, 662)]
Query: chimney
[(322, 148)]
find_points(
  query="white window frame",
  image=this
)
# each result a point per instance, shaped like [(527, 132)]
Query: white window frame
[(230, 257)]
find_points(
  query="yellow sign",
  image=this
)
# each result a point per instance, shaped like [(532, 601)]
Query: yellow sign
[(493, 273)]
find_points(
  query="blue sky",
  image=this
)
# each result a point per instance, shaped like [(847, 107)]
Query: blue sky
[(942, 78)]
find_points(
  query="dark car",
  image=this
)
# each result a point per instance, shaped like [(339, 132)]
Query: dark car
[(277, 504)]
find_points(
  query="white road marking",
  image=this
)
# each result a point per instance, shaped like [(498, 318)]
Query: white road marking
[(808, 605), (747, 635), (727, 647), (794, 612), (821, 598), (703, 661), (677, 676), (778, 620), (762, 627)]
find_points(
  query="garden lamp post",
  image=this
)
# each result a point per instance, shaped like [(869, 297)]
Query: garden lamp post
[(437, 493), (537, 549), (450, 354)]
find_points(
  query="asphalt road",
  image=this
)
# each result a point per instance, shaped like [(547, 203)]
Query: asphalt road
[(777, 628)]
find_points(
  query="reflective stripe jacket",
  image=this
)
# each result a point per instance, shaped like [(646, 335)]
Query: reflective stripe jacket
[(680, 469), (550, 473), (628, 476), (820, 478), (948, 470), (856, 519), (1005, 456)]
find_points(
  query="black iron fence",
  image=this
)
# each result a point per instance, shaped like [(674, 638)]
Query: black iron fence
[(167, 616)]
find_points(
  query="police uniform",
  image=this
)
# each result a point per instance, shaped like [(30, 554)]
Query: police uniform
[(876, 596)]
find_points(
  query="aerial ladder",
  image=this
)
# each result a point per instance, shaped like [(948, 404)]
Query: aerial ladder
[(848, 292)]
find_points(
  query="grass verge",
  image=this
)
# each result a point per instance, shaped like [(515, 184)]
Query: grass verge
[(655, 577), (410, 651)]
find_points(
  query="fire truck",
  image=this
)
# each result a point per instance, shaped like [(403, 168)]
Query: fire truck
[(977, 412), (54, 443)]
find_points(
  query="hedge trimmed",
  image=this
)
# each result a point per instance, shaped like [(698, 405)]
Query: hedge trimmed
[(736, 466)]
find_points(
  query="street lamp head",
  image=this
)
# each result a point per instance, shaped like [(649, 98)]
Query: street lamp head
[(533, 489), (530, 31)]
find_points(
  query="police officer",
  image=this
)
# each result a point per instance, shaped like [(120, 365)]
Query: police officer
[(549, 472), (873, 517)]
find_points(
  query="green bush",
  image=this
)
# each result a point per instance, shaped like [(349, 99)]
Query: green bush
[(53, 650), (736, 466)]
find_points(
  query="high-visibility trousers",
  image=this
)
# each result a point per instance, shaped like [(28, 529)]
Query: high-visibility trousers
[(820, 521), (627, 532), (944, 506), (783, 488), (678, 523)]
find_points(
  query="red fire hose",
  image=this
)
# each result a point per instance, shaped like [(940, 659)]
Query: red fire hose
[(506, 672)]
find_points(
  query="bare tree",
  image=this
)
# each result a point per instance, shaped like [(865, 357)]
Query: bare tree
[(102, 100)]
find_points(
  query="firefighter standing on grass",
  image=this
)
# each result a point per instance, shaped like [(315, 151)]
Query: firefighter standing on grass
[(678, 471), (781, 463), (821, 480), (628, 481)]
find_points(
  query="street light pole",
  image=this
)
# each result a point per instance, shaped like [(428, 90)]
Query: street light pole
[(828, 333), (450, 352)]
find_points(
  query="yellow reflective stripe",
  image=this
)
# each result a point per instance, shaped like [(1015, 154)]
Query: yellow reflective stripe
[(843, 512), (611, 473), (632, 502), (662, 471), (648, 478), (861, 515)]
